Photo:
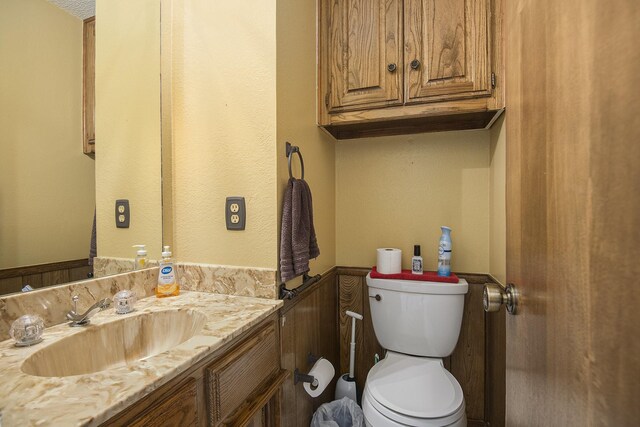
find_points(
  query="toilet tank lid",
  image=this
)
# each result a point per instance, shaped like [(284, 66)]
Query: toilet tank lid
[(417, 287)]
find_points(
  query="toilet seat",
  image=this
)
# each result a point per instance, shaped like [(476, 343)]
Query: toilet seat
[(376, 415), (414, 391)]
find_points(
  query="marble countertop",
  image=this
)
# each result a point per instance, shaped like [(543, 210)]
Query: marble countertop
[(91, 399)]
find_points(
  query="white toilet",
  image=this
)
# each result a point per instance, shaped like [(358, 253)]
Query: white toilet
[(419, 324)]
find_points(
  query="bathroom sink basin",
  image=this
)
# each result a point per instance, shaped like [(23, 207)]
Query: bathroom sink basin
[(117, 343)]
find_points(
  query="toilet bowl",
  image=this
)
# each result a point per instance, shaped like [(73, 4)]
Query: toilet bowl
[(406, 390), (419, 324)]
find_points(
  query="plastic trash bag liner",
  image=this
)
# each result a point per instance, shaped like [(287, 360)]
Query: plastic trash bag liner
[(339, 413)]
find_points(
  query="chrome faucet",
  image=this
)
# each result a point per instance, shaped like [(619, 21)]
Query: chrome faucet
[(83, 319)]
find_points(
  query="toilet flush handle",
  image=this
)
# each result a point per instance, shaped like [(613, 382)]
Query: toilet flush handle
[(377, 297)]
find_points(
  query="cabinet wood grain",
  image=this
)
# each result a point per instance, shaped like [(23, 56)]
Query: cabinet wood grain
[(178, 409), (407, 66), (89, 85), (175, 404), (234, 377), (449, 41), (366, 53)]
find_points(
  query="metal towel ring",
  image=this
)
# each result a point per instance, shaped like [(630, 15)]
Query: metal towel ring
[(290, 150)]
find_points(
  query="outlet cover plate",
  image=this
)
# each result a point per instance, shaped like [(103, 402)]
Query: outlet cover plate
[(235, 213), (123, 213)]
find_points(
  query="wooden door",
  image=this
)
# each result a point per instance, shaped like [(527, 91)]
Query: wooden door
[(447, 49), (573, 212), (365, 54)]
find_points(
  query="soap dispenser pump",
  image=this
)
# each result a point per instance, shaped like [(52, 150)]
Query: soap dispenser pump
[(141, 257)]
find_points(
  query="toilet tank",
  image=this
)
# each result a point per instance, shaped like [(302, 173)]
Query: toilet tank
[(417, 318)]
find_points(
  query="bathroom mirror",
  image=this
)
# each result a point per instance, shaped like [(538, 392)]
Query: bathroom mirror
[(49, 189)]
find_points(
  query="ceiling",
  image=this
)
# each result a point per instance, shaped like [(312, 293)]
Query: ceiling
[(82, 9)]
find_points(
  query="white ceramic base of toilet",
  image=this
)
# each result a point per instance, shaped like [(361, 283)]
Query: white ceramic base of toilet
[(404, 390), (375, 418)]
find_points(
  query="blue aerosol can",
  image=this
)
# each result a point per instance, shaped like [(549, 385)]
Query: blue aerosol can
[(444, 252)]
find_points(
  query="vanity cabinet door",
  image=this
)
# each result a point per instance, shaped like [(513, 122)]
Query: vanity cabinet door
[(172, 406), (447, 49), (240, 383), (365, 53)]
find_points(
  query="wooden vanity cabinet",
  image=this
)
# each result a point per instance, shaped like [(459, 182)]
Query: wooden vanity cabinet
[(236, 386), (404, 66)]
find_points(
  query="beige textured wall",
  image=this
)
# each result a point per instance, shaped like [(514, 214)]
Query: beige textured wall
[(497, 202), (296, 118), (224, 130), (47, 184), (128, 125), (398, 191)]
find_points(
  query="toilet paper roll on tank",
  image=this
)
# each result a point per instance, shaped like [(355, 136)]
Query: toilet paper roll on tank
[(389, 261)]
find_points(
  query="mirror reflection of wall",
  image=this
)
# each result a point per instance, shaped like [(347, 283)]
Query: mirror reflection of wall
[(128, 126), (49, 189)]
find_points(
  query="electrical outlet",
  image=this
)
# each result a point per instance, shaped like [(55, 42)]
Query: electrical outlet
[(123, 213), (235, 213)]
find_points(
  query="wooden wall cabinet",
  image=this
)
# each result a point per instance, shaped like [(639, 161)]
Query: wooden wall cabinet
[(236, 386), (391, 67), (89, 86)]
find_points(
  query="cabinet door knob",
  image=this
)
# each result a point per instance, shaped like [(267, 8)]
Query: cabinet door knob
[(415, 64), (391, 67)]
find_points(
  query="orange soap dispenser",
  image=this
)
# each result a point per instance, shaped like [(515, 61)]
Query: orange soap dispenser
[(167, 281)]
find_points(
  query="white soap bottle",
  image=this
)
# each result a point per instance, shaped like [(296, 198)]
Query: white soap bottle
[(141, 257)]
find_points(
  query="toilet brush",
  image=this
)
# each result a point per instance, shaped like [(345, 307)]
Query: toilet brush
[(346, 386)]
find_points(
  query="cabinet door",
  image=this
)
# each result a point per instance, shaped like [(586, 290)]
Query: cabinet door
[(447, 44), (237, 376), (174, 406), (365, 53)]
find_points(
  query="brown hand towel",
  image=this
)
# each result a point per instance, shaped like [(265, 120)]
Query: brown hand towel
[(298, 243)]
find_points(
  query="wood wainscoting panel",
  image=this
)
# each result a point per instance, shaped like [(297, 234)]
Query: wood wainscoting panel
[(308, 325), (41, 275), (468, 359), (478, 362)]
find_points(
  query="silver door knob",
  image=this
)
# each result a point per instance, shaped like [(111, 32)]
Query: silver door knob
[(494, 296)]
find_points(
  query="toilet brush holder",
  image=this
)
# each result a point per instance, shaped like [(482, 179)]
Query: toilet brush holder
[(346, 385)]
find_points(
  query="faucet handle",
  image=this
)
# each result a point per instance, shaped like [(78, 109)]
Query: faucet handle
[(75, 299)]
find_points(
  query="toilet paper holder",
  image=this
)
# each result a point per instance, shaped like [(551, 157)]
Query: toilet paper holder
[(305, 378)]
